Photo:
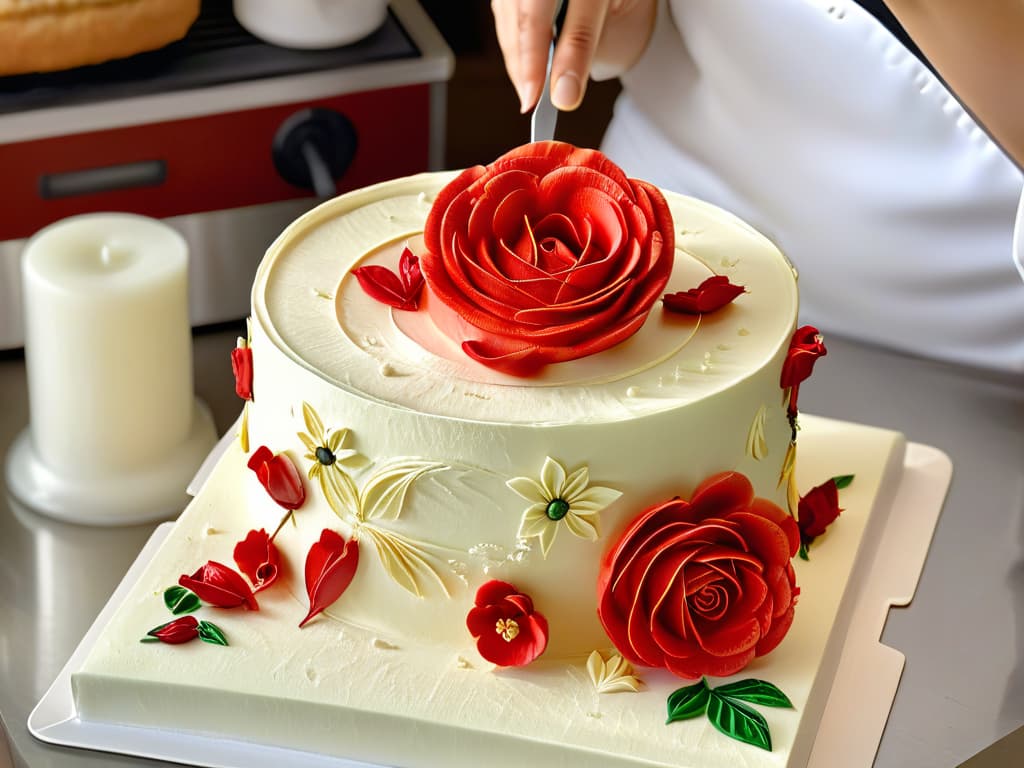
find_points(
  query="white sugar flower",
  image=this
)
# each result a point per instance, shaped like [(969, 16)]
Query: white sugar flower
[(557, 498), (327, 452)]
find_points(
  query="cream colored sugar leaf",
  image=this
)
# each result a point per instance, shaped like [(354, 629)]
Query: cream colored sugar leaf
[(787, 477), (612, 675), (757, 443), (407, 563), (384, 493), (313, 422), (243, 431), (340, 492)]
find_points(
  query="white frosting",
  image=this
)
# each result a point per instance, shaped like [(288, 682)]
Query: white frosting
[(439, 464), (338, 690), (650, 418)]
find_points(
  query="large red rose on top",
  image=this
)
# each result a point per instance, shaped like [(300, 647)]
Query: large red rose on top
[(548, 254), (701, 587)]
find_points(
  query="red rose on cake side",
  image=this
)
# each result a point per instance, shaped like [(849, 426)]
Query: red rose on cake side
[(548, 254), (701, 587)]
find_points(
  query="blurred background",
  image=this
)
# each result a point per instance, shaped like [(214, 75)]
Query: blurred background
[(257, 113), (242, 114), (244, 118), (483, 112)]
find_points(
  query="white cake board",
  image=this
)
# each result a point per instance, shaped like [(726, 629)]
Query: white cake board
[(851, 725)]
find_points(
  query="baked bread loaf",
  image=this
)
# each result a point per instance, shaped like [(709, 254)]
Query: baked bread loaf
[(50, 35)]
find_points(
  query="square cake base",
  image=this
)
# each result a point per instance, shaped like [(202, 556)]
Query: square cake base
[(337, 690)]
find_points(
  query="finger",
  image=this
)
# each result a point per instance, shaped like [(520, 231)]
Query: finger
[(506, 26), (533, 39), (574, 53)]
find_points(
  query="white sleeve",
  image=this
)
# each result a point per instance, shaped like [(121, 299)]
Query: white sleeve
[(844, 149)]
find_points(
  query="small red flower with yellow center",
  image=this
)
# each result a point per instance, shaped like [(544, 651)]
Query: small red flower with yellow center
[(508, 631)]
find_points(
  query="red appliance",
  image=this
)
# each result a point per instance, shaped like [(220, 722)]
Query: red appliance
[(222, 134)]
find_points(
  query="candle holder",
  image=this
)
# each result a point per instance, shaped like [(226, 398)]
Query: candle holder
[(115, 431)]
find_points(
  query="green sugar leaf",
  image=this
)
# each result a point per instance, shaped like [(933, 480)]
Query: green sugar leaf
[(688, 702), (180, 600), (842, 481), (755, 692), (738, 721), (211, 633)]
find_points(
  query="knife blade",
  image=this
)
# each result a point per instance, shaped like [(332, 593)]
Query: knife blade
[(545, 115)]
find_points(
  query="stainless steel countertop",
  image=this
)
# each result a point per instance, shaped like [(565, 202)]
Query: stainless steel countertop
[(963, 635)]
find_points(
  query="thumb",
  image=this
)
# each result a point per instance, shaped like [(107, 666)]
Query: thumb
[(574, 53)]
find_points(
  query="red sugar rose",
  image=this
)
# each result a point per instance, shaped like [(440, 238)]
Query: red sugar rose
[(548, 254), (508, 631), (701, 587)]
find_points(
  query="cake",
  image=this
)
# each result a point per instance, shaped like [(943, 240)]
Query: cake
[(516, 470)]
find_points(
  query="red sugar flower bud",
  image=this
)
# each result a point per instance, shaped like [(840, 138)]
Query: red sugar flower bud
[(257, 557), (241, 367), (401, 291), (817, 510), (220, 586), (176, 632), (806, 346), (279, 476)]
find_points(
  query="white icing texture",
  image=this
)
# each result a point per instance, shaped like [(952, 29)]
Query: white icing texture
[(450, 474), (338, 690), (649, 419)]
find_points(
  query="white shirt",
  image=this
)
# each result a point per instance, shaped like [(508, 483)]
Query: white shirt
[(811, 121)]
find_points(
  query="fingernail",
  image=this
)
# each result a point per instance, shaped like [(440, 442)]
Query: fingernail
[(526, 97), (566, 93)]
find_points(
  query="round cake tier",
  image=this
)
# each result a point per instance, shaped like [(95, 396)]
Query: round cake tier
[(432, 462)]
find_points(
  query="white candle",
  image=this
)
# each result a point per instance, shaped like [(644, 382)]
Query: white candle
[(108, 351)]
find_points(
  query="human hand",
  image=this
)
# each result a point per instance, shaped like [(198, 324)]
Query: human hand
[(614, 32)]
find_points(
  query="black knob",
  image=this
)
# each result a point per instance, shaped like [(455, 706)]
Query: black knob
[(313, 148)]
